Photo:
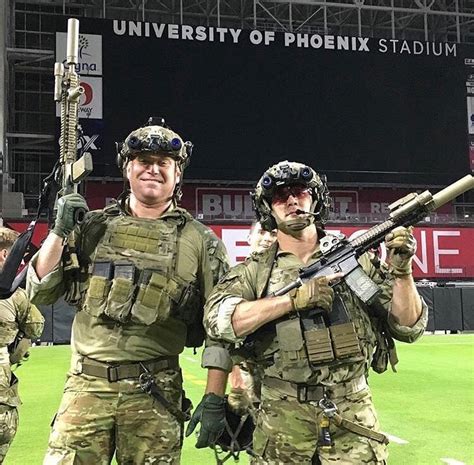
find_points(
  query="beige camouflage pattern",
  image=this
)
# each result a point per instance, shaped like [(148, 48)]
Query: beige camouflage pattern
[(97, 418), (287, 432), (249, 281), (200, 259), (8, 428), (123, 320), (252, 375), (16, 314)]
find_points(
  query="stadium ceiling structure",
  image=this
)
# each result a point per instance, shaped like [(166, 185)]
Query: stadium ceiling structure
[(27, 51)]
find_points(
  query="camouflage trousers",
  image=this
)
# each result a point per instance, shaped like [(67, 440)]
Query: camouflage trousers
[(8, 427), (97, 419), (287, 432)]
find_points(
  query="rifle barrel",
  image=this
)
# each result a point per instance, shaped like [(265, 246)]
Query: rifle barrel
[(451, 192), (72, 41)]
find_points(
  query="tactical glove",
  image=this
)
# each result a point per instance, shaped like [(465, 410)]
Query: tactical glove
[(238, 401), (401, 246), (211, 413), (71, 209), (315, 293)]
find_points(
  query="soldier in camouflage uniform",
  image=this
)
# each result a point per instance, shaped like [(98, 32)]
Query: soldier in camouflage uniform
[(245, 377), (316, 343), (20, 322), (146, 268)]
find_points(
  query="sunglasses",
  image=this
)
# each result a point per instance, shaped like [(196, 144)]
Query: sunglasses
[(282, 193)]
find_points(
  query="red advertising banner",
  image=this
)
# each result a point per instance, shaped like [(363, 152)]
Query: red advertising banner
[(442, 252)]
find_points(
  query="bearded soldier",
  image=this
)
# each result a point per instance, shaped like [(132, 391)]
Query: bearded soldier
[(317, 342), (20, 321), (146, 268)]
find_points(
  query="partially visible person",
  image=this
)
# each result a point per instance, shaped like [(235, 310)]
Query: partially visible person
[(245, 378), (259, 239), (20, 321)]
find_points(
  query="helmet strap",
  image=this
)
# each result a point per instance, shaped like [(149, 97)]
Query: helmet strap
[(178, 193), (265, 216), (124, 196), (313, 210)]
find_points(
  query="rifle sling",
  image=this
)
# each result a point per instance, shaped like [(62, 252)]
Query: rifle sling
[(155, 392), (359, 429)]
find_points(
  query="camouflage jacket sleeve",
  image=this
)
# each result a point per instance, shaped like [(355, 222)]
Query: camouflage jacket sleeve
[(381, 276), (30, 320), (232, 289), (49, 289), (215, 265)]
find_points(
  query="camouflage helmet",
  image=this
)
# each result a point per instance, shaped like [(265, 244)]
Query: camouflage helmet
[(154, 137), (287, 173)]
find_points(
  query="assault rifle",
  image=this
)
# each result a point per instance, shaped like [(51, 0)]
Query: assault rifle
[(67, 91), (68, 171), (340, 255), (332, 335)]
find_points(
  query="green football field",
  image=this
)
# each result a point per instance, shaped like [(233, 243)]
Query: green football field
[(427, 407)]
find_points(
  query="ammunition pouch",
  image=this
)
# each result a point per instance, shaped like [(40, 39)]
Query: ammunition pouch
[(314, 338), (344, 340), (153, 302), (123, 293), (318, 345), (95, 300), (292, 360), (120, 297), (343, 332)]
